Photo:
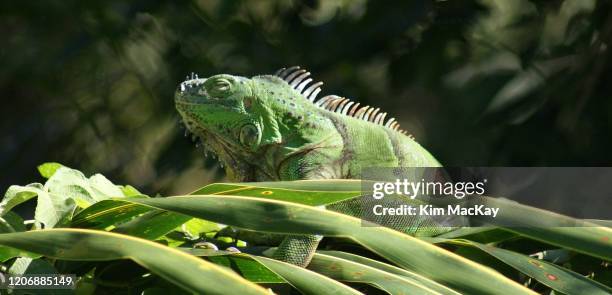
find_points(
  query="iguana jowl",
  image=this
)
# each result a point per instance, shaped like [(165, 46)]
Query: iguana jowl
[(273, 127)]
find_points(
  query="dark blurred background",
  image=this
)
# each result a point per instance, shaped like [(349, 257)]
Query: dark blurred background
[(481, 83)]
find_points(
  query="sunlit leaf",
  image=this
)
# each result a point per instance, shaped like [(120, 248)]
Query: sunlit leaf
[(186, 271), (558, 278), (282, 217)]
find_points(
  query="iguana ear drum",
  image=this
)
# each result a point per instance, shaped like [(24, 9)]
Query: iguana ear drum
[(248, 102), (250, 136)]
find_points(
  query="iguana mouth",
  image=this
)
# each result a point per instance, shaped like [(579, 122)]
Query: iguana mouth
[(212, 145)]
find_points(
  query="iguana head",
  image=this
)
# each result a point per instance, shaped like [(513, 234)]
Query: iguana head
[(215, 110), (235, 117), (256, 123)]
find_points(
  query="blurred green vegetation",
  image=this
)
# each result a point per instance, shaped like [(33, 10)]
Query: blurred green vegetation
[(488, 82)]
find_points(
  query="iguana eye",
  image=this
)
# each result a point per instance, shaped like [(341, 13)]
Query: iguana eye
[(222, 85), (250, 135)]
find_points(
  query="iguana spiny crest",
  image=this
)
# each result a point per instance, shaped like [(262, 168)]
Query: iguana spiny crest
[(273, 127), (299, 78)]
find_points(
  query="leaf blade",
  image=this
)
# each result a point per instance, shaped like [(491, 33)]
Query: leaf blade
[(283, 217), (184, 270)]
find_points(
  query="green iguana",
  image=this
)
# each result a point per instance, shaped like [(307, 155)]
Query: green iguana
[(273, 127)]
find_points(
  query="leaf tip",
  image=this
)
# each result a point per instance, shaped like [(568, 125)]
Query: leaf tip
[(47, 170)]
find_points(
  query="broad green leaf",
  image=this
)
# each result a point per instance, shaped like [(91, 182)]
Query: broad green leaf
[(106, 213), (58, 198), (479, 234), (263, 270), (11, 222), (330, 266), (306, 281), (245, 266), (7, 253), (393, 270), (196, 227), (283, 217), (16, 195), (72, 183), (327, 185), (51, 209), (300, 193), (153, 224), (606, 223), (551, 275), (184, 270), (349, 271), (545, 226), (129, 191), (47, 170)]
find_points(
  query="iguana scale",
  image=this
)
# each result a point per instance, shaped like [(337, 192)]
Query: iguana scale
[(273, 127)]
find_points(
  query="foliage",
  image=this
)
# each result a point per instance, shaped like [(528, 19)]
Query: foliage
[(171, 244), (478, 82)]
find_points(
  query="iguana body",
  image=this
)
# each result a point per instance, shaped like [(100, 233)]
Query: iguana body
[(272, 127)]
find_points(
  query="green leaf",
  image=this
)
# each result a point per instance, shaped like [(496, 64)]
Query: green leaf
[(11, 222), (301, 192), (330, 266), (551, 275), (263, 270), (107, 213), (393, 270), (129, 191), (327, 185), (245, 266), (51, 209), (606, 223), (307, 282), (47, 170), (283, 217), (196, 227), (16, 195), (153, 225), (7, 253), (185, 271), (72, 183), (553, 228), (480, 234), (59, 197), (350, 271)]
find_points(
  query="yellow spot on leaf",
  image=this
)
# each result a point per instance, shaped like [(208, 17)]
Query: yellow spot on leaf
[(267, 193), (535, 263)]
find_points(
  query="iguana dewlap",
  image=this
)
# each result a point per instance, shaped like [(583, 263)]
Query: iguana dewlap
[(273, 127)]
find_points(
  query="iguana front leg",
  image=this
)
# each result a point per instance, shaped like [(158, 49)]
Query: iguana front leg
[(297, 249)]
